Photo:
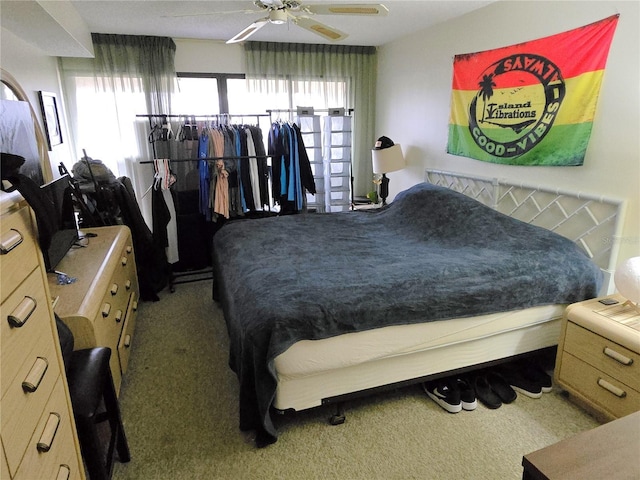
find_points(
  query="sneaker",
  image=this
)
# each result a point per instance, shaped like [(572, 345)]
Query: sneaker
[(521, 383), (536, 374), (467, 394), (445, 394)]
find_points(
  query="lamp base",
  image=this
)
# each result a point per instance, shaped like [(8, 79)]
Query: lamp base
[(384, 189)]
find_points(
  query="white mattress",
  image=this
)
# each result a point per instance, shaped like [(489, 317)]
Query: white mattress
[(312, 370)]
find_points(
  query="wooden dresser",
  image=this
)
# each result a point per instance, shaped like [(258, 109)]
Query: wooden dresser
[(38, 430), (100, 305), (599, 356)]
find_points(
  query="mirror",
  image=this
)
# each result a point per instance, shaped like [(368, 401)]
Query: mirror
[(38, 164)]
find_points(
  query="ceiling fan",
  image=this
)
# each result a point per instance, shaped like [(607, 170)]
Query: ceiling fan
[(281, 11)]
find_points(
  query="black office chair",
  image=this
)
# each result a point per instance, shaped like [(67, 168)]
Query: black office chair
[(94, 401)]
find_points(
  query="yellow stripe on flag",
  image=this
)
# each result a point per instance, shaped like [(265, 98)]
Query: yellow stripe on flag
[(461, 99), (578, 106)]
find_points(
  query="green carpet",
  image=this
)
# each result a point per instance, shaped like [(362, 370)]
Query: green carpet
[(180, 411)]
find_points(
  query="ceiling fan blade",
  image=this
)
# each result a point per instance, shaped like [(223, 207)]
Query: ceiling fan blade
[(372, 9), (250, 30), (222, 12), (318, 28)]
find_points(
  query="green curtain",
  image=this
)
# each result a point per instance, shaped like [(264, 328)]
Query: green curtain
[(356, 64), (125, 59), (125, 68)]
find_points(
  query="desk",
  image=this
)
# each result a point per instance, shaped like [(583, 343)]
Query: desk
[(610, 451)]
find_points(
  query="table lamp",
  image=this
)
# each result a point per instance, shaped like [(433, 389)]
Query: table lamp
[(627, 280), (386, 157)]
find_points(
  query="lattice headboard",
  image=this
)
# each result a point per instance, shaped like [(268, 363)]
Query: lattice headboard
[(594, 223)]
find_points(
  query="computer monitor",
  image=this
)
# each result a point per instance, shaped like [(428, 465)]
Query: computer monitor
[(66, 232)]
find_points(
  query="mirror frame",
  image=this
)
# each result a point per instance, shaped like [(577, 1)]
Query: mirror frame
[(43, 150)]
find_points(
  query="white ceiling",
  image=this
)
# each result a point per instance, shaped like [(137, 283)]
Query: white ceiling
[(203, 19)]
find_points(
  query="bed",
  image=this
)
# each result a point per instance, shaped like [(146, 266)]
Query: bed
[(456, 273)]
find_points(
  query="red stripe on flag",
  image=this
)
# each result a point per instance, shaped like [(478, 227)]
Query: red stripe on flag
[(584, 49)]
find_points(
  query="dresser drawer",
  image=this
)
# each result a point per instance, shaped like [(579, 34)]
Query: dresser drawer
[(126, 339), (21, 409), (27, 307), (4, 468), (603, 354), (597, 387), (109, 328), (60, 456), (19, 254)]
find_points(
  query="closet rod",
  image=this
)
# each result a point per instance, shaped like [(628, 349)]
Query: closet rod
[(234, 157), (295, 110), (214, 115)]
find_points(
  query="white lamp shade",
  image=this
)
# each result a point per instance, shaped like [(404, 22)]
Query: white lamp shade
[(388, 159), (627, 279)]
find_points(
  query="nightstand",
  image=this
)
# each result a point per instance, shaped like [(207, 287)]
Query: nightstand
[(598, 356)]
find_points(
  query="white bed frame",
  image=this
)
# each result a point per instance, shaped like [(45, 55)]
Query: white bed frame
[(594, 223)]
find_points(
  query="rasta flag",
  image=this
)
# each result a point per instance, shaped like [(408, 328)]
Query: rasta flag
[(531, 103)]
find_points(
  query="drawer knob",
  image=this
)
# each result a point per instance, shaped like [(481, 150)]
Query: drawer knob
[(127, 284), (129, 249), (118, 316), (19, 316), (64, 472), (124, 260), (114, 289), (618, 392), (134, 307), (127, 341), (9, 241), (618, 357), (49, 432), (106, 309), (32, 381)]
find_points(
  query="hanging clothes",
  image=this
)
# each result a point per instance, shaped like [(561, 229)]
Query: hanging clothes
[(163, 210), (292, 174)]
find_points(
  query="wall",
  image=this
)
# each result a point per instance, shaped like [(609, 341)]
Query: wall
[(36, 71), (414, 89), (208, 56)]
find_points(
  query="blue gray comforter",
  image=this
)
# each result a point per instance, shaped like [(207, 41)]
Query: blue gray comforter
[(432, 254)]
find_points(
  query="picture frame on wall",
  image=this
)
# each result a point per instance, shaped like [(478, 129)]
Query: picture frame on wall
[(51, 118)]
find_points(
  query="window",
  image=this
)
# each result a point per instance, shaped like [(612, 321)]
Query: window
[(196, 96), (211, 94), (97, 122)]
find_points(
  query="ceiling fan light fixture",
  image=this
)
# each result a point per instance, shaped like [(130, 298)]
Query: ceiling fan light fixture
[(278, 16)]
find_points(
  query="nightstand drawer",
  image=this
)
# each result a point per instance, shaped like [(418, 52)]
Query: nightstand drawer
[(605, 391), (603, 354)]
